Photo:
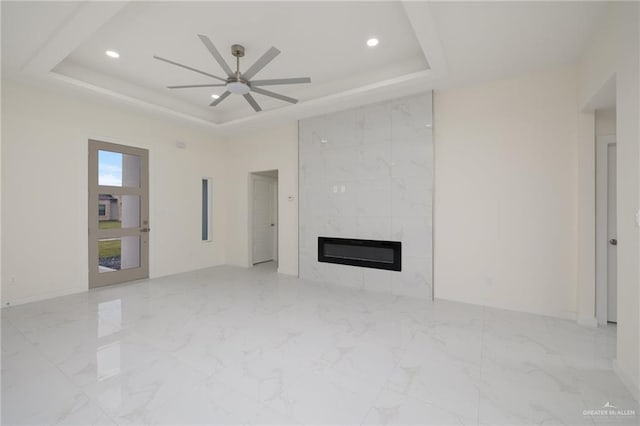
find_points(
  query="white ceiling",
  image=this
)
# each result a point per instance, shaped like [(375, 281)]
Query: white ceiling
[(422, 46), (325, 41), (489, 40), (26, 27)]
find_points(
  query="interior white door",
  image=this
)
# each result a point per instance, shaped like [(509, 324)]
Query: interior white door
[(264, 219), (612, 249)]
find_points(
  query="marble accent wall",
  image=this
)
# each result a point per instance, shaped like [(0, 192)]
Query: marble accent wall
[(368, 173)]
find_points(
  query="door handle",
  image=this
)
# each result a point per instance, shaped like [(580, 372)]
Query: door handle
[(613, 242), (145, 229)]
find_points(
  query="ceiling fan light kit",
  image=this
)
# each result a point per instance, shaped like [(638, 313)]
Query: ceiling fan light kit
[(237, 82), (238, 87)]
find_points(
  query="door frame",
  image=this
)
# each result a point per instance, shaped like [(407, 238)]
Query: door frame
[(602, 244), (251, 178), (97, 279)]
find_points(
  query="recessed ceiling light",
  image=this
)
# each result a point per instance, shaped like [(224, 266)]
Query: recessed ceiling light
[(372, 42), (112, 54), (214, 96)]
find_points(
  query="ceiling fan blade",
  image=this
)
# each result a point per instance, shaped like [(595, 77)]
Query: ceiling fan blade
[(276, 81), (187, 86), (274, 95), (189, 68), (220, 99), (216, 55), (260, 63), (252, 102)]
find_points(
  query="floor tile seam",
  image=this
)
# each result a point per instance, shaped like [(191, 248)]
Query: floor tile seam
[(568, 366), (36, 348), (67, 378), (96, 403), (565, 364), (82, 390), (396, 365), (183, 364), (424, 400), (212, 377)]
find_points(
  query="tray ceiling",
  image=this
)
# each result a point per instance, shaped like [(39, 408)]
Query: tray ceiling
[(423, 46)]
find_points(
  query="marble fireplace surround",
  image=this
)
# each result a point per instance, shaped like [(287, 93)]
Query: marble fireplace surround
[(367, 173)]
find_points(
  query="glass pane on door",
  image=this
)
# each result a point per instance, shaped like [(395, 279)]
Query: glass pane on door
[(118, 169), (116, 254), (118, 211)]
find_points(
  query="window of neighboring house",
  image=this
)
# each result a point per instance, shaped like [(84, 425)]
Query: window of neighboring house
[(102, 210), (207, 207)]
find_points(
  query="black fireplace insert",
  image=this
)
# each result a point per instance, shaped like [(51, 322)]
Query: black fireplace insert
[(367, 253)]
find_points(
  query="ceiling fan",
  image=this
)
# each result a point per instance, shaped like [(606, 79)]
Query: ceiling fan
[(237, 82)]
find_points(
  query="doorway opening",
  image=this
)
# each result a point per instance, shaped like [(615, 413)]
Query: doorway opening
[(606, 221), (263, 217)]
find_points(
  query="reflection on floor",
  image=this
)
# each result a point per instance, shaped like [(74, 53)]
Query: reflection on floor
[(237, 346)]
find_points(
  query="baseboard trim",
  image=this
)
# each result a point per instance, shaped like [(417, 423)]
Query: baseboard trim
[(7, 303), (588, 322), (633, 388), (565, 315), (289, 273)]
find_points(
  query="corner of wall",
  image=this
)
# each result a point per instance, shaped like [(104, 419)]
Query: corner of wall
[(588, 322), (586, 191)]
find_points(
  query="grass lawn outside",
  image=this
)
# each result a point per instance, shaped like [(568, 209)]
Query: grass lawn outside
[(109, 248), (109, 224)]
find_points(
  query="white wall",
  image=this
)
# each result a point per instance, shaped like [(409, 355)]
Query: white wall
[(614, 51), (44, 190), (258, 150), (585, 178), (605, 122), (505, 197)]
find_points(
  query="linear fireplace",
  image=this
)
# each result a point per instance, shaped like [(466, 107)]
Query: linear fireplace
[(367, 253)]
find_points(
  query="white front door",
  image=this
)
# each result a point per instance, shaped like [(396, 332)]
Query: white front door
[(612, 235), (264, 219)]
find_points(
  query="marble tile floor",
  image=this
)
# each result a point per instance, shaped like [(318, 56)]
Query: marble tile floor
[(229, 345)]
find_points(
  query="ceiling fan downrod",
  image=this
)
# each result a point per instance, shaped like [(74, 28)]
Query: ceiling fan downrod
[(237, 50)]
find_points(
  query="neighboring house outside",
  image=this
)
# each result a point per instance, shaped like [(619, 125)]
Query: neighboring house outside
[(109, 207)]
